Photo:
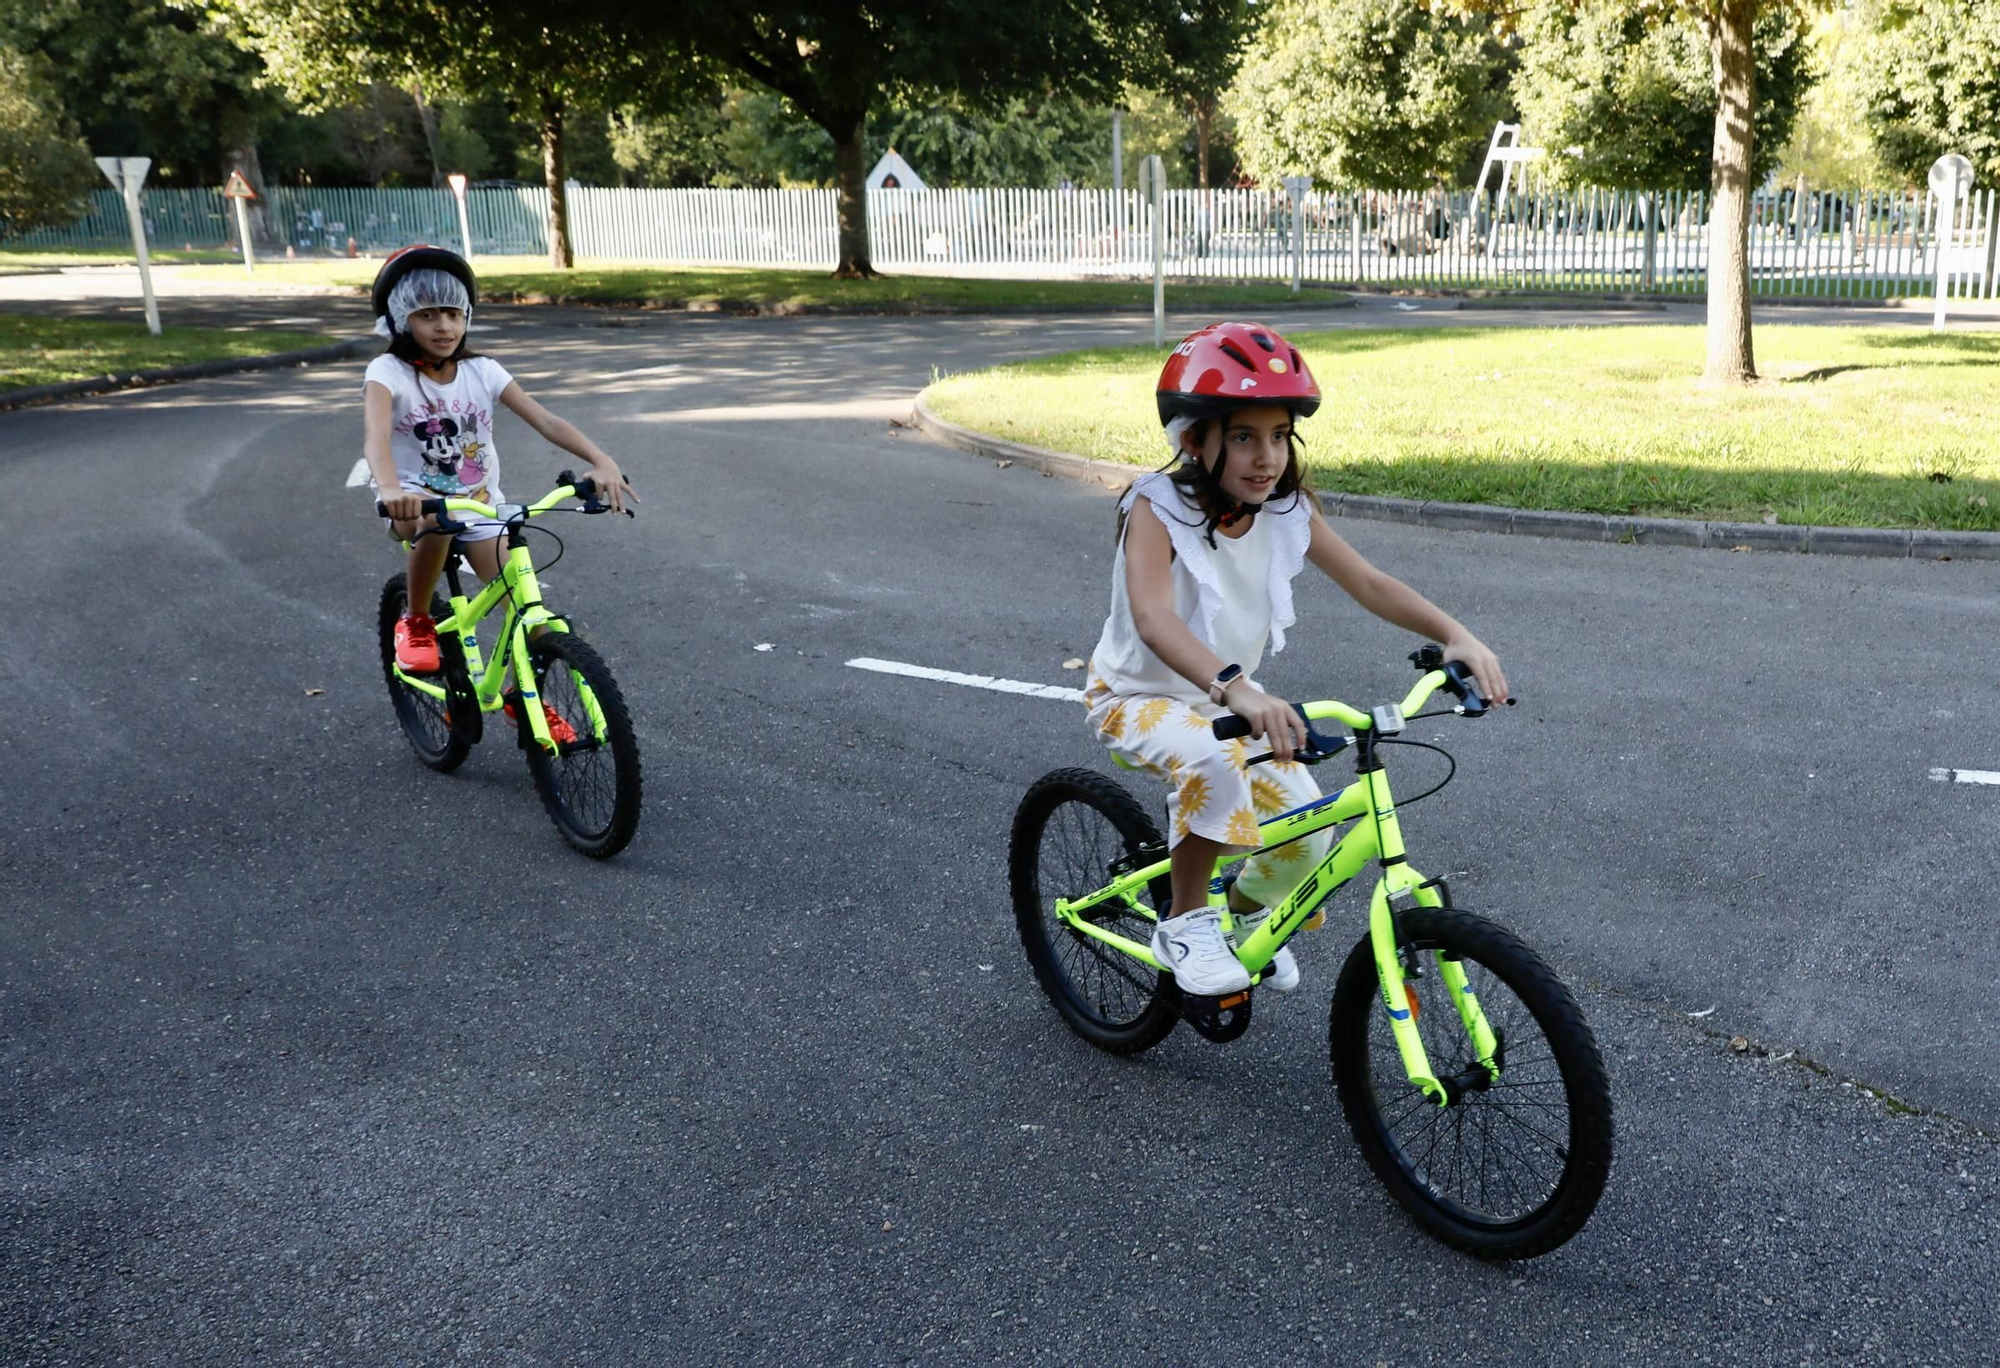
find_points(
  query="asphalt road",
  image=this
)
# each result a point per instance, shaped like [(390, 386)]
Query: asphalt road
[(316, 1056)]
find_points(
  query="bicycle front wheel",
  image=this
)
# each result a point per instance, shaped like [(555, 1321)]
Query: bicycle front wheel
[(1515, 1165), (590, 785), (1070, 828), (440, 731)]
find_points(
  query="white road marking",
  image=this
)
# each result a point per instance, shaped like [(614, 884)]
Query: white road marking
[(971, 681), (359, 475), (1961, 776)]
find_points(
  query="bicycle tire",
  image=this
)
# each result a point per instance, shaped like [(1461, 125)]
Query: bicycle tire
[(441, 733), (1518, 1209), (1113, 1001), (591, 790)]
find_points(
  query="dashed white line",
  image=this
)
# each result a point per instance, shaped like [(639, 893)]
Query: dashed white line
[(970, 681), (1965, 776)]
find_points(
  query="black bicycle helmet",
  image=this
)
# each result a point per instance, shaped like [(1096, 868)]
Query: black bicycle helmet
[(419, 257)]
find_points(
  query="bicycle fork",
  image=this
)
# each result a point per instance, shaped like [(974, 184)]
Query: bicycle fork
[(1400, 878)]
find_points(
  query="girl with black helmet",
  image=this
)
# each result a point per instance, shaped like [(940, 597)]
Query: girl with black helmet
[(1201, 584), (429, 406)]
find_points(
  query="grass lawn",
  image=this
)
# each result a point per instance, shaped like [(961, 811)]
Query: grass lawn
[(609, 282), (1873, 427), (46, 351), (38, 257)]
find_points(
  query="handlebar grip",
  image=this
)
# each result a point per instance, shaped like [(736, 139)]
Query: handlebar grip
[(1459, 680), (430, 506), (1230, 727)]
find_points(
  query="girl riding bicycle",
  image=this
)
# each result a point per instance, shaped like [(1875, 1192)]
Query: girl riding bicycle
[(1201, 584), (428, 405)]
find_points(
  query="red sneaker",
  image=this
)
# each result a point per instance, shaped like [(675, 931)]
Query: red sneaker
[(560, 731), (417, 644)]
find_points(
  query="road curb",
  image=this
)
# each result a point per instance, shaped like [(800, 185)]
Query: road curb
[(194, 370), (1899, 543)]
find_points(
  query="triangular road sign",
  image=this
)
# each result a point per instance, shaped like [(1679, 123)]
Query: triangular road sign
[(238, 188)]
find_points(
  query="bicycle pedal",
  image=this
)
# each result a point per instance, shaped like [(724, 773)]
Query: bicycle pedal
[(1220, 1019)]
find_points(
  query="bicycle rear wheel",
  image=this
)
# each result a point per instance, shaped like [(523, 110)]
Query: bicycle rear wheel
[(1514, 1166), (1070, 828), (590, 786), (440, 731)]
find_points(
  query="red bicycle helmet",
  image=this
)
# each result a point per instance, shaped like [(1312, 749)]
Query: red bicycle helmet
[(1229, 366)]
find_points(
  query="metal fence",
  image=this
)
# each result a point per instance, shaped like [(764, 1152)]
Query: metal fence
[(1832, 244)]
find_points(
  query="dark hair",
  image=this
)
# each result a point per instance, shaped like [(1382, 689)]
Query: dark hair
[(1204, 491)]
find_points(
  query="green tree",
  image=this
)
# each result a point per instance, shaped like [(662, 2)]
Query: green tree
[(838, 62), (1931, 82), (323, 51), (1730, 28), (1625, 102), (1829, 147), (1197, 52), (44, 169), (149, 78), (1384, 94)]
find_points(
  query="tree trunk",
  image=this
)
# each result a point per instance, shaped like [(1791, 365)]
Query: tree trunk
[(1730, 358), (850, 179), (560, 256), (239, 153), (427, 117), (1204, 119)]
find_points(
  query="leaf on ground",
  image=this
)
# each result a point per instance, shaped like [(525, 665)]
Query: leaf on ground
[(1002, 465), (1707, 1011), (1770, 519), (314, 693), (1073, 663), (761, 646)]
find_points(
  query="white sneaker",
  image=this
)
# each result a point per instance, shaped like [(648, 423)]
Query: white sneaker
[(1282, 973), (1191, 947)]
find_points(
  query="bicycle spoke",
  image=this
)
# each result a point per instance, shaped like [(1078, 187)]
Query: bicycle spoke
[(1496, 1154)]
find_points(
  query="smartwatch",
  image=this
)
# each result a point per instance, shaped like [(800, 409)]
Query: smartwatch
[(1224, 677)]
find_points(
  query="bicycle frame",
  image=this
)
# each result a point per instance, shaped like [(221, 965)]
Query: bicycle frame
[(517, 585), (1380, 839)]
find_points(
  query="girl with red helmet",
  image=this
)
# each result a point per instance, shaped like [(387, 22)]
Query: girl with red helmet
[(428, 406), (1201, 584)]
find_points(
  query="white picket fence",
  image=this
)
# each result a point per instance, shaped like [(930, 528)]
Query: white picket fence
[(1834, 244)]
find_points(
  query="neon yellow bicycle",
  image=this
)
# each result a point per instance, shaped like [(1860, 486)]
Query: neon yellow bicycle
[(569, 717), (1465, 1068)]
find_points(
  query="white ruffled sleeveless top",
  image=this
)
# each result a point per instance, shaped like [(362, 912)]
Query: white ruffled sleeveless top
[(1236, 597)]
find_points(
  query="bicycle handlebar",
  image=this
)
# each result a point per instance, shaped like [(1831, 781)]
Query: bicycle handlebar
[(1439, 673), (567, 486)]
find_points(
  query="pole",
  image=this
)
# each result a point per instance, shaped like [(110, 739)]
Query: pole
[(1295, 187), (1652, 239), (1950, 175), (1154, 172), (243, 234), (458, 182), (127, 174)]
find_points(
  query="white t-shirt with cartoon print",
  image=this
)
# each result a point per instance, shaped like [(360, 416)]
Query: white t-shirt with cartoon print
[(441, 436)]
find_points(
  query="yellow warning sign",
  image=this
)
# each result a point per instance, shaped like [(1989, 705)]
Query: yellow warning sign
[(238, 188)]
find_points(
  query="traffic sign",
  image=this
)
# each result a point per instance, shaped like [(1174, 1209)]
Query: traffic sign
[(238, 188)]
